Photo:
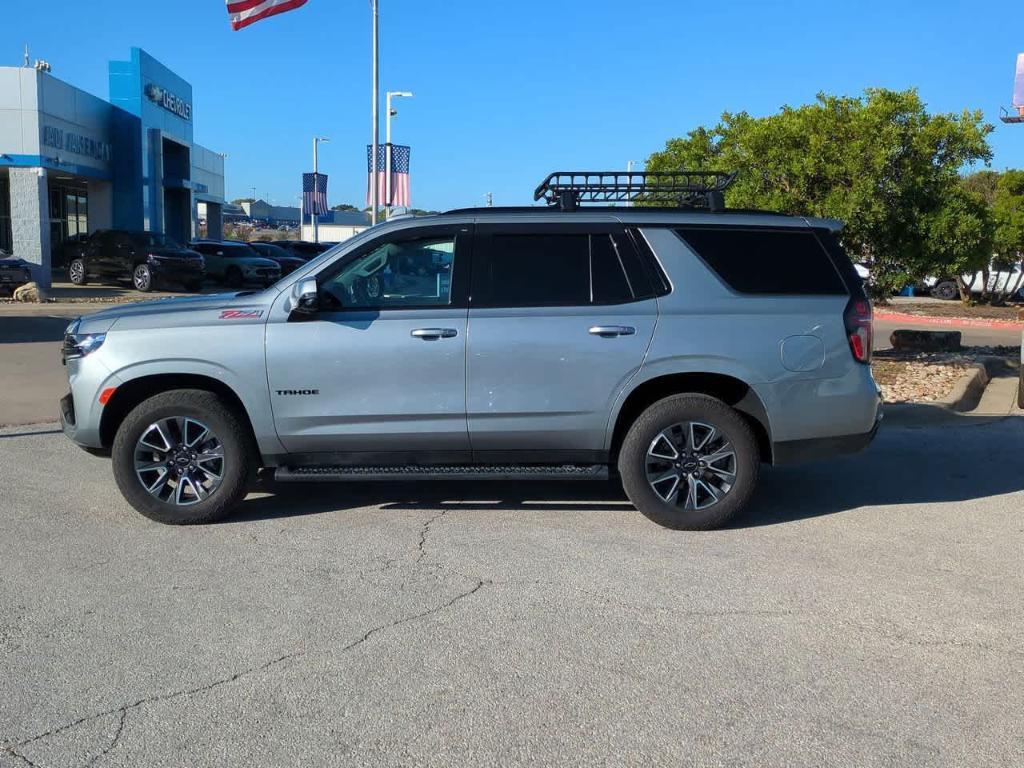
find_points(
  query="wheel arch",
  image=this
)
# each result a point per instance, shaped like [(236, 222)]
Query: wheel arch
[(134, 391), (729, 389)]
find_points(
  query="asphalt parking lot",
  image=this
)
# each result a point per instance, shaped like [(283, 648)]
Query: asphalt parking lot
[(866, 611)]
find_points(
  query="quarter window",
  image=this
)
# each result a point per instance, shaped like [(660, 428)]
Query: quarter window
[(766, 261)]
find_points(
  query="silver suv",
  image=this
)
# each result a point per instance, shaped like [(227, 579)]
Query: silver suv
[(674, 347)]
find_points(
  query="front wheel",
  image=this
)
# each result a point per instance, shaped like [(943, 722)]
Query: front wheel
[(142, 278), (689, 462), (183, 457), (947, 290)]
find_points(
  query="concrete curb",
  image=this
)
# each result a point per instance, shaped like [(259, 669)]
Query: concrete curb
[(967, 391), (948, 322)]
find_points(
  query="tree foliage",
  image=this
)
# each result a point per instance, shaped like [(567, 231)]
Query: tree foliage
[(880, 162)]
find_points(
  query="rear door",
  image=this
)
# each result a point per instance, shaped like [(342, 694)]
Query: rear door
[(561, 316)]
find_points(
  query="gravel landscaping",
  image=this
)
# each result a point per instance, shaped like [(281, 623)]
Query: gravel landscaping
[(928, 377)]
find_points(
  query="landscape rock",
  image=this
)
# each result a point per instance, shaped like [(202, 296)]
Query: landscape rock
[(926, 341), (29, 293)]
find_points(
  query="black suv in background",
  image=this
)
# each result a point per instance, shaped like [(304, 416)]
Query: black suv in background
[(144, 258), (303, 249), (285, 259)]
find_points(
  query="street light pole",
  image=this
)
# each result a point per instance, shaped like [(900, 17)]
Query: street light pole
[(374, 191), (387, 147)]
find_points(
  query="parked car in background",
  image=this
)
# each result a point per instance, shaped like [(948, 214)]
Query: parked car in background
[(998, 281), (67, 251), (236, 264), (143, 258), (285, 259), (13, 272), (302, 249)]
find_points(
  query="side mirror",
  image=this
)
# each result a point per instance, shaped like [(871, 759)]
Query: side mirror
[(305, 297)]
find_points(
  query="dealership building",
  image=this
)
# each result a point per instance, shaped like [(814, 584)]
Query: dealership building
[(72, 163)]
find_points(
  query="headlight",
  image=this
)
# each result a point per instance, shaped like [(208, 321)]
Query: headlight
[(152, 258), (80, 344)]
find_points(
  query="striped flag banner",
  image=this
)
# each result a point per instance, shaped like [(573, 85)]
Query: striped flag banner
[(242, 13), (400, 155), (314, 194)]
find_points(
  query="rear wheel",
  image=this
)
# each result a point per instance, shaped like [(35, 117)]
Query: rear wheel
[(76, 272), (1020, 388), (142, 278), (689, 462), (193, 286), (183, 457)]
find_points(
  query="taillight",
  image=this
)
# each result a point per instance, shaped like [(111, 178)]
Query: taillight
[(857, 319)]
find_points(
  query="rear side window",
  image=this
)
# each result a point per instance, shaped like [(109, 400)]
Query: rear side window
[(552, 269), (766, 261)]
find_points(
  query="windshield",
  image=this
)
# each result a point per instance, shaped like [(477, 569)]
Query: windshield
[(156, 240)]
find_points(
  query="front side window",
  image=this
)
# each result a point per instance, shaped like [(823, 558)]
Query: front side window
[(395, 275)]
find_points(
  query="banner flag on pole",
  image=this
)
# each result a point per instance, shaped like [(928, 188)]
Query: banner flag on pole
[(400, 155), (1018, 82), (242, 13), (314, 194)]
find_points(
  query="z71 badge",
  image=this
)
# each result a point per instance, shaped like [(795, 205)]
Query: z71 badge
[(241, 314)]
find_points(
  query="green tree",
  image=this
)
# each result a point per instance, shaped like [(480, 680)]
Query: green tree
[(1008, 216), (240, 200), (879, 162), (960, 234), (344, 207)]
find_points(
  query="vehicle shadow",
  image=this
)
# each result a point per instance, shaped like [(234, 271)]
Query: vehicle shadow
[(967, 459), (21, 330)]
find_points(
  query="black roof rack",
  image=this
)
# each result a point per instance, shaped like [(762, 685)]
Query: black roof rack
[(682, 189)]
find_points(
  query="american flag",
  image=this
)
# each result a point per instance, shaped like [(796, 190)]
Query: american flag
[(242, 13), (314, 193), (399, 175)]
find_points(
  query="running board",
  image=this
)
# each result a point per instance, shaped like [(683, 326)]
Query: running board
[(462, 472)]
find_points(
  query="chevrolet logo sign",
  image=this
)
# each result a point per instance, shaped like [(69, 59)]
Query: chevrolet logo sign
[(174, 104)]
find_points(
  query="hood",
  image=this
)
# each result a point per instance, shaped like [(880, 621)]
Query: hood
[(176, 252), (255, 261), (6, 260), (186, 311)]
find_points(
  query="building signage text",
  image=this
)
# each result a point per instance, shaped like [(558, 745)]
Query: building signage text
[(58, 138), (173, 104)]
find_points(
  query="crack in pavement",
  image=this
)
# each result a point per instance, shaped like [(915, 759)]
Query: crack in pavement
[(124, 709)]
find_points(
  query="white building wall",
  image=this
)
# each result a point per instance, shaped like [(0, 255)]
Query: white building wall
[(330, 233)]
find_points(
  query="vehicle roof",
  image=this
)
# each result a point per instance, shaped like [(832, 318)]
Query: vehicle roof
[(639, 216)]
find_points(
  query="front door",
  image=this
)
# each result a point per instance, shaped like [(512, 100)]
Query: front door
[(380, 369), (561, 319)]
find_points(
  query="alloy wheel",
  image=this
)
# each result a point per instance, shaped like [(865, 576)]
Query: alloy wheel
[(179, 460), (77, 271), (691, 465), (141, 277)]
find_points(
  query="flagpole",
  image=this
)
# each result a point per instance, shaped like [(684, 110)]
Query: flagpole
[(374, 181), (312, 209)]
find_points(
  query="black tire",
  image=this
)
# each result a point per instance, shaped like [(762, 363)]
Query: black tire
[(76, 272), (194, 286), (233, 277), (239, 448), (142, 278), (946, 290), (661, 416), (1020, 388)]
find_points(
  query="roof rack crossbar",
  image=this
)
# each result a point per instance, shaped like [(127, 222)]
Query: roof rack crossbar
[(684, 189)]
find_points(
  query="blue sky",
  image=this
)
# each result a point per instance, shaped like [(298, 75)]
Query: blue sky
[(507, 91)]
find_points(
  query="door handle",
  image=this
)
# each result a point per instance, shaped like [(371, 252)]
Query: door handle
[(611, 331), (430, 334)]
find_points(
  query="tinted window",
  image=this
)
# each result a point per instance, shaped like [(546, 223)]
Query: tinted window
[(536, 270), (607, 274), (766, 260)]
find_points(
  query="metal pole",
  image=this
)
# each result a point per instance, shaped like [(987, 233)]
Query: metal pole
[(387, 158), (374, 191), (312, 210)]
